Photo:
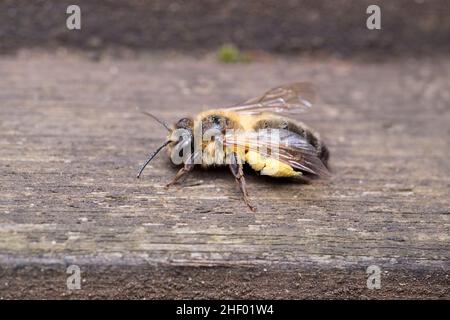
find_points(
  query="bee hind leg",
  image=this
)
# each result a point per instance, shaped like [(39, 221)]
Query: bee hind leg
[(238, 173)]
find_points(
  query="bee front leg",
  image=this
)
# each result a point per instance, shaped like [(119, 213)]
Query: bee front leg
[(182, 172), (238, 172), (188, 166)]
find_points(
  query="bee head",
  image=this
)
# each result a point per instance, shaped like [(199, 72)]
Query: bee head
[(183, 130), (185, 123), (180, 136)]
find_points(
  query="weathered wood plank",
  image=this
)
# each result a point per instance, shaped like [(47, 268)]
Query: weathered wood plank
[(71, 142)]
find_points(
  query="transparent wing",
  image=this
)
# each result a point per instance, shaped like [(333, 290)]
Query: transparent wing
[(283, 145), (287, 99)]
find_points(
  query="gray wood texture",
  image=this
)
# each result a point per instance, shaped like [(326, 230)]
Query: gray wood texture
[(72, 141)]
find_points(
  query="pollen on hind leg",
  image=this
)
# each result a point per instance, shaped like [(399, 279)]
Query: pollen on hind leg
[(255, 160), (270, 167), (275, 168)]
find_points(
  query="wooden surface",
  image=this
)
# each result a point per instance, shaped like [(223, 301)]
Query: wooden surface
[(71, 142)]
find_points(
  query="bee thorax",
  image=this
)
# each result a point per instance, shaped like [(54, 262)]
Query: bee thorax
[(213, 155)]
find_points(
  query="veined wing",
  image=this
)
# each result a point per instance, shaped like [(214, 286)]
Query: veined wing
[(287, 99), (283, 145)]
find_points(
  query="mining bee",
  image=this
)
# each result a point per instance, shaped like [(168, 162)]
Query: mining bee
[(258, 132)]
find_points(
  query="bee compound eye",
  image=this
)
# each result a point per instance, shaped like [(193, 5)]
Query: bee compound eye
[(184, 123)]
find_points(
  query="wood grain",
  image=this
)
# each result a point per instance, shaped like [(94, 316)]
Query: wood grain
[(71, 142)]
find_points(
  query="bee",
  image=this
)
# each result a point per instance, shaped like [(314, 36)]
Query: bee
[(259, 132)]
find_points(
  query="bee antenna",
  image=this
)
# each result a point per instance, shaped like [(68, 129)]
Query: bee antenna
[(151, 157), (164, 124)]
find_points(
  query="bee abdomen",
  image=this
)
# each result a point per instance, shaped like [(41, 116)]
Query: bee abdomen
[(299, 128)]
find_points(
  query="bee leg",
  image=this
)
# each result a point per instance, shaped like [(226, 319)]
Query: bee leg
[(182, 172), (238, 173)]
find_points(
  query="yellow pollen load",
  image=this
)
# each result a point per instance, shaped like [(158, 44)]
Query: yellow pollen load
[(268, 166)]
